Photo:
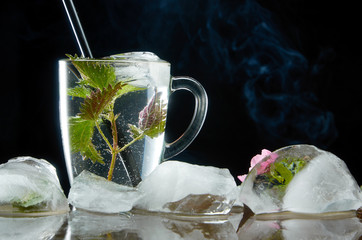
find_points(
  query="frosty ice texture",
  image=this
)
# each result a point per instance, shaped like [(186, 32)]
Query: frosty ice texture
[(95, 193), (185, 188), (302, 179), (325, 185), (31, 184), (173, 186)]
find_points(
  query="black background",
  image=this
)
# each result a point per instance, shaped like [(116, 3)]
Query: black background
[(277, 72)]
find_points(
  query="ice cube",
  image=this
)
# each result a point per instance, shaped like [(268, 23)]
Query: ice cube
[(180, 187), (141, 70), (95, 193), (302, 178), (325, 185), (139, 56), (30, 185)]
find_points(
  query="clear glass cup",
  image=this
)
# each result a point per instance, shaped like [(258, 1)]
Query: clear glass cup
[(113, 114)]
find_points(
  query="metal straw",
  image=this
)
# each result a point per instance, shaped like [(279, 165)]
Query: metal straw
[(77, 28)]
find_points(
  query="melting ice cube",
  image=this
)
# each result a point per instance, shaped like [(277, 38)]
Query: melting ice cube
[(30, 185), (189, 189), (303, 179), (95, 193), (173, 186)]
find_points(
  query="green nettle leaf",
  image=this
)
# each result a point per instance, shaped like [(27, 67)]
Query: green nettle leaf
[(297, 166), (281, 173), (79, 91), (81, 134), (127, 88), (135, 131), (284, 170), (156, 129), (96, 74), (99, 101)]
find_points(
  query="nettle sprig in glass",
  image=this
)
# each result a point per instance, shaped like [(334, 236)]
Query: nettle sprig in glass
[(99, 88)]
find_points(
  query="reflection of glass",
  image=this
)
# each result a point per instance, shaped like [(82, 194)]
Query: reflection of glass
[(31, 228), (113, 115)]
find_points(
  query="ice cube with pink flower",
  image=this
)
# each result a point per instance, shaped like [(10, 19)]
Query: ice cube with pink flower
[(299, 178)]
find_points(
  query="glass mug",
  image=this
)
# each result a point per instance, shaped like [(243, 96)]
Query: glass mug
[(113, 115)]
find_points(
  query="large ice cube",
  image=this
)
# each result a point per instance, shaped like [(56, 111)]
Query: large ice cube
[(188, 189), (95, 193), (30, 185), (302, 178)]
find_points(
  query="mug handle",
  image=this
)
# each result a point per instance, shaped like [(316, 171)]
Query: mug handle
[(198, 119)]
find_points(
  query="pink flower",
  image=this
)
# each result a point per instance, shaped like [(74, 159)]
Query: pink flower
[(264, 166), (242, 177)]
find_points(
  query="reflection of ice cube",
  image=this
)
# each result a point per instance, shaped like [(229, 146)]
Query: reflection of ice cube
[(336, 229), (185, 188), (291, 229), (301, 179), (86, 225), (95, 193), (253, 229), (31, 228), (31, 184)]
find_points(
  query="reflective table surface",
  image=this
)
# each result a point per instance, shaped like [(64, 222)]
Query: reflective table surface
[(140, 225)]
